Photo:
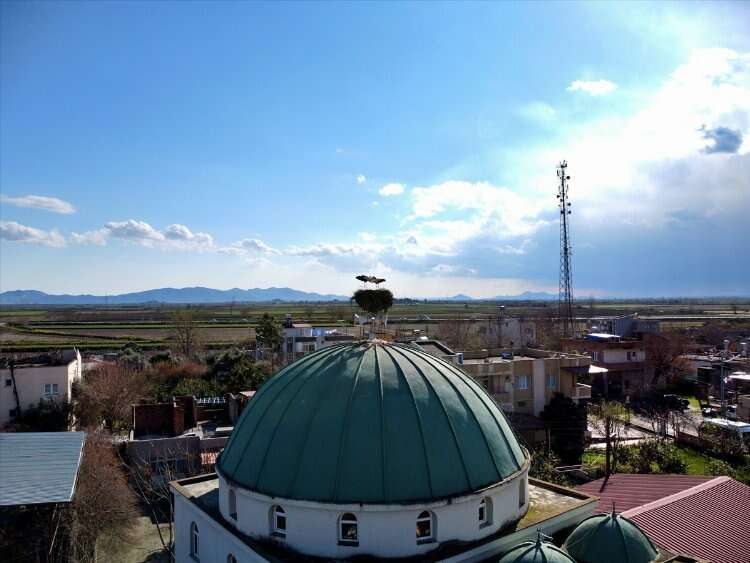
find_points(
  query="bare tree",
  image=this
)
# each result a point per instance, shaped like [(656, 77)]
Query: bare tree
[(610, 419), (103, 502), (150, 475), (185, 336), (104, 397), (458, 333), (664, 355)]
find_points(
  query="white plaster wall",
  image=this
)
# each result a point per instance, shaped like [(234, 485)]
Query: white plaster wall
[(215, 543), (618, 356), (30, 384), (383, 530)]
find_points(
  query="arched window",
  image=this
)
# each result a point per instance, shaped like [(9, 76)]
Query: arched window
[(278, 521), (485, 512), (521, 493), (194, 540), (232, 504), (231, 558), (348, 533), (425, 532)]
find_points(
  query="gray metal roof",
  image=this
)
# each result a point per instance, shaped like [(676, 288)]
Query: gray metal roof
[(39, 467)]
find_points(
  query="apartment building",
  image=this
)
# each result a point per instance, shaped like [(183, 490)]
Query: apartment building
[(303, 338), (24, 383), (625, 372), (524, 381)]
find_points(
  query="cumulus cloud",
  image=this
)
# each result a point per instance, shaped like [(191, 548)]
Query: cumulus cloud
[(592, 87), (12, 231), (44, 203), (248, 246), (391, 189), (174, 237), (361, 179), (723, 139)]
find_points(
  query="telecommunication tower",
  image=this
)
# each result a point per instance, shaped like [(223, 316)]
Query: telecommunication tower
[(565, 298)]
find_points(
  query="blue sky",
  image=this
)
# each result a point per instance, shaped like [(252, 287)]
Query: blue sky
[(246, 144)]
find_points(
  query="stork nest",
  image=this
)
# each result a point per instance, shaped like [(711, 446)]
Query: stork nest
[(373, 301)]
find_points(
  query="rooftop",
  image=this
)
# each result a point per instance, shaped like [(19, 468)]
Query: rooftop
[(710, 520), (627, 491), (39, 467)]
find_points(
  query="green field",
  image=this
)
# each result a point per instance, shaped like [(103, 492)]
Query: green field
[(110, 327)]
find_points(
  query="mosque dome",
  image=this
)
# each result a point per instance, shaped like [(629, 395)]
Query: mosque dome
[(612, 538), (375, 449), (536, 552), (372, 423)]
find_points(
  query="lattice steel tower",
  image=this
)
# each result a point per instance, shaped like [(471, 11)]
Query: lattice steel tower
[(565, 298)]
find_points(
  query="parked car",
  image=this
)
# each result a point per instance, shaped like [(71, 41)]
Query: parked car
[(674, 402), (708, 412)]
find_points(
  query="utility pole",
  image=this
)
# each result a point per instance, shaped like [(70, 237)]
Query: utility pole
[(565, 296)]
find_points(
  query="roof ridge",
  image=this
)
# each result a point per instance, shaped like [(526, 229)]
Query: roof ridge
[(676, 496)]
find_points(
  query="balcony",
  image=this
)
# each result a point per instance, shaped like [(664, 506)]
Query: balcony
[(581, 391)]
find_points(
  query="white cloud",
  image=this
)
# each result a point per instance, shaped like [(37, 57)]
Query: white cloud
[(391, 189), (97, 237), (44, 203), (248, 246), (361, 179), (12, 231), (174, 237), (592, 87)]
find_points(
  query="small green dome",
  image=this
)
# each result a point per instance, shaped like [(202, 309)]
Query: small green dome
[(536, 552), (611, 538), (371, 422)]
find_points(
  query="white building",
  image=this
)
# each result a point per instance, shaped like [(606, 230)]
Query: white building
[(25, 383), (303, 338), (366, 449)]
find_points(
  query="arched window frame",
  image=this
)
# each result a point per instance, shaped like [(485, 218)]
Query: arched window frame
[(194, 541), (278, 521), (348, 529), (485, 512), (232, 502), (425, 527)]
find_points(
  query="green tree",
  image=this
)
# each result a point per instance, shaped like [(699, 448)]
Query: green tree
[(610, 419), (268, 334), (235, 371), (566, 423)]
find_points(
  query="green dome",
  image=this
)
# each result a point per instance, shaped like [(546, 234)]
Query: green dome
[(536, 552), (370, 422), (611, 538)]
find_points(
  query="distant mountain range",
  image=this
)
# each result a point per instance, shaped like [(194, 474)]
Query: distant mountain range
[(186, 295), (167, 295)]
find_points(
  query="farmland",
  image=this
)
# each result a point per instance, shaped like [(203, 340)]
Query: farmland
[(150, 326)]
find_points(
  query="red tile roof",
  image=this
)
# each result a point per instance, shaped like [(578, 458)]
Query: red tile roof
[(631, 490), (710, 520)]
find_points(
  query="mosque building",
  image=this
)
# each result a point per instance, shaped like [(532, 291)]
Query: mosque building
[(376, 450)]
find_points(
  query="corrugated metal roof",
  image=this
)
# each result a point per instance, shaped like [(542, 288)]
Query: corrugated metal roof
[(372, 423), (710, 521), (630, 490), (39, 467)]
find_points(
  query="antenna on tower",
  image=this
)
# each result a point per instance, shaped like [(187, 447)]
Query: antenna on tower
[(565, 298)]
